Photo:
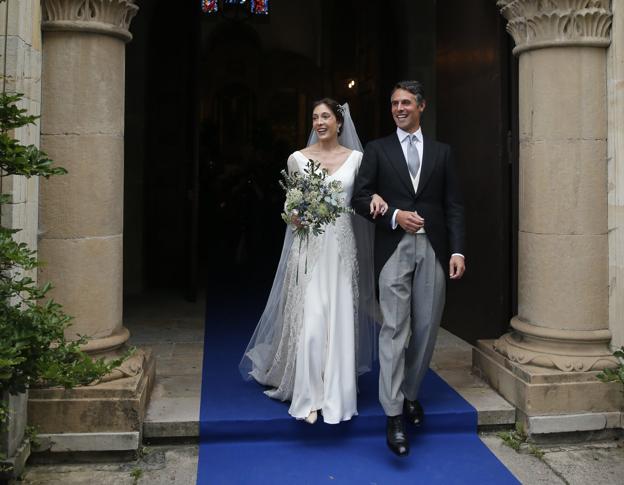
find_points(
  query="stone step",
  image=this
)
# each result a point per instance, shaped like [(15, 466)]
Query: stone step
[(174, 408)]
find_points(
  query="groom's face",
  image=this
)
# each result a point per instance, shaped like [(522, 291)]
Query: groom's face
[(406, 111)]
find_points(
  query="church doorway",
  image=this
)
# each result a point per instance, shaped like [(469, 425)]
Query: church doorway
[(216, 102)]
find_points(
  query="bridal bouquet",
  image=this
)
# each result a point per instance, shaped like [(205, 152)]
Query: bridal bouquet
[(311, 201)]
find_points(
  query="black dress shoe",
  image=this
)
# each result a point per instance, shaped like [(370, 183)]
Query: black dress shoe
[(396, 436), (413, 411)]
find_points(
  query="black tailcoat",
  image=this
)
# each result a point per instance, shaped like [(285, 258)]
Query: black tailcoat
[(438, 199)]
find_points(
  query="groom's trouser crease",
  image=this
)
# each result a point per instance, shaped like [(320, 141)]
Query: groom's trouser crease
[(408, 333)]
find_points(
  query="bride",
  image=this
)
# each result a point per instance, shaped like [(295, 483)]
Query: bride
[(317, 333)]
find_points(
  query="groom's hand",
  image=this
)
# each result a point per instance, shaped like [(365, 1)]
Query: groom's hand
[(410, 221), (457, 267)]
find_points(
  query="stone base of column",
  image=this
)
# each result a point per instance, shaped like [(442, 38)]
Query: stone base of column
[(549, 400), (114, 407), (565, 350)]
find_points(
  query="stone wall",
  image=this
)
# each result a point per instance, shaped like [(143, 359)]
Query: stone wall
[(23, 75), (615, 78)]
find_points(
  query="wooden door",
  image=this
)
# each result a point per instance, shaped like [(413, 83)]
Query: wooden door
[(475, 73)]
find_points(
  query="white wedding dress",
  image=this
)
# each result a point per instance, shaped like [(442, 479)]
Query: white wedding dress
[(309, 358)]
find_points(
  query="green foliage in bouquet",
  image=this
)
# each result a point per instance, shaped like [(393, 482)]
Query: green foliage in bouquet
[(33, 348), (312, 201)]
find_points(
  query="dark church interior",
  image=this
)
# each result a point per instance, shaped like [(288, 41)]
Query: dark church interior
[(215, 103)]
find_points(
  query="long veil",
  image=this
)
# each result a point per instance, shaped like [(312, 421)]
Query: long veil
[(261, 347)]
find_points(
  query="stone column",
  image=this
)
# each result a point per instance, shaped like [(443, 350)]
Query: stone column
[(81, 221), (82, 127), (563, 289), (562, 326)]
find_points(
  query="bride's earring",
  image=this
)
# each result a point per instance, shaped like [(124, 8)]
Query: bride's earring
[(311, 419)]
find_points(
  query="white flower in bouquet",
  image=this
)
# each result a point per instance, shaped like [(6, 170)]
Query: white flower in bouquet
[(312, 202)]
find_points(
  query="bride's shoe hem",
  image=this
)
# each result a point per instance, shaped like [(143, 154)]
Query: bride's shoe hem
[(325, 420), (312, 417), (340, 420)]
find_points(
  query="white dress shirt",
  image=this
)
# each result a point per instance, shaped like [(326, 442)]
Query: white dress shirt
[(404, 141)]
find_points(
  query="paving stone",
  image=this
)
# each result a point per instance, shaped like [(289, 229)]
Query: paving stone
[(159, 351), (172, 417), (181, 366), (61, 442), (574, 422), (527, 468), (188, 350), (176, 387), (491, 408), (446, 339), (460, 378), (452, 358), (595, 466), (163, 465)]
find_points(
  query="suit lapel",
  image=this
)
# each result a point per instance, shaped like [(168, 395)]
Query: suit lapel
[(394, 152), (427, 164)]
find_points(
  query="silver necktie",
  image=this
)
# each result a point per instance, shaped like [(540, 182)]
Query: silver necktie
[(413, 160)]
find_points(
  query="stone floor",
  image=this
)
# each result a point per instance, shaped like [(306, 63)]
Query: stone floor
[(173, 329), (160, 465)]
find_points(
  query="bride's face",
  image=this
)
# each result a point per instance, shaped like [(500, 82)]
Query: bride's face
[(324, 123)]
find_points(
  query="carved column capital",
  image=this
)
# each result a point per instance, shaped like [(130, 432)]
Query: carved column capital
[(536, 24), (109, 17)]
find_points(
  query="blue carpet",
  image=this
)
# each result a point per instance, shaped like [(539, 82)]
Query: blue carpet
[(248, 439)]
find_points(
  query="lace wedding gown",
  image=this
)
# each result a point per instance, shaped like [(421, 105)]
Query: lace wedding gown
[(310, 357)]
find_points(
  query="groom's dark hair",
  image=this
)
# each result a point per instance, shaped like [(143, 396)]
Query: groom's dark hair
[(414, 87)]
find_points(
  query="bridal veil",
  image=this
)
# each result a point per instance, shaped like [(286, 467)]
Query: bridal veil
[(259, 354)]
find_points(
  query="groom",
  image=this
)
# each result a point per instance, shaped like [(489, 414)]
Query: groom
[(419, 237)]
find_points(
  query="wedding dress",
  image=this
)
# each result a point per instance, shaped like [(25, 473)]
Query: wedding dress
[(317, 332), (313, 361)]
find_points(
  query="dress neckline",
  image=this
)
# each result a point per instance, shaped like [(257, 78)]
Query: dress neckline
[(339, 167)]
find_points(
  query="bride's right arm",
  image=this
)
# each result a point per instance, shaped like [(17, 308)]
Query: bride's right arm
[(378, 206), (291, 164)]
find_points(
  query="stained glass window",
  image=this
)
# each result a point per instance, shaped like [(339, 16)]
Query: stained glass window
[(256, 7), (210, 6), (260, 7)]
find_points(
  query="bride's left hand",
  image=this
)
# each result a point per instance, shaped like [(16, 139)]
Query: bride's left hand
[(378, 206)]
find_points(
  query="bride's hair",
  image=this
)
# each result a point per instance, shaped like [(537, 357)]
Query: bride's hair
[(335, 108)]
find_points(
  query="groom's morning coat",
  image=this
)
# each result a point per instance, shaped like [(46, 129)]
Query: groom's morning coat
[(438, 199)]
